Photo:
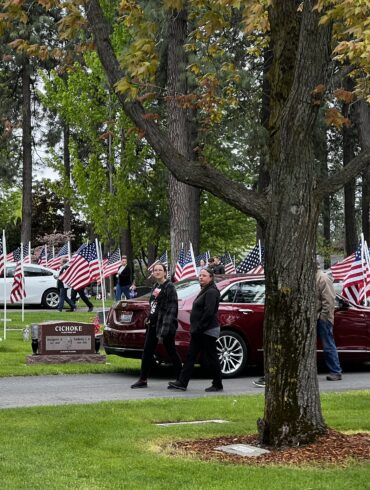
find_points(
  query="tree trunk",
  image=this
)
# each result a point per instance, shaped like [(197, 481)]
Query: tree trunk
[(184, 200), (67, 219), (27, 153), (351, 238), (362, 117), (292, 403)]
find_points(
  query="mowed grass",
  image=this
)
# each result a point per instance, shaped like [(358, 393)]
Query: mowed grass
[(117, 446), (14, 350)]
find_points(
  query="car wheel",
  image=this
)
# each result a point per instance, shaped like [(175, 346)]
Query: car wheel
[(232, 353), (50, 299)]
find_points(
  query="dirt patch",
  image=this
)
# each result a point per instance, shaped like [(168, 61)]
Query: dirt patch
[(332, 448)]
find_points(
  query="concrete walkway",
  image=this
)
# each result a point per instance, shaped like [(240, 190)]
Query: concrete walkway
[(28, 391)]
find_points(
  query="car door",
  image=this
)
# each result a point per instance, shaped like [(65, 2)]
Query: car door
[(37, 281), (242, 309), (351, 330), (10, 270)]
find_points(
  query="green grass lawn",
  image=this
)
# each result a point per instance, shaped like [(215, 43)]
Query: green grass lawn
[(14, 349), (117, 446)]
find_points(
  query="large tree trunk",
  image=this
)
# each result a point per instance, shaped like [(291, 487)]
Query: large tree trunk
[(67, 218), (292, 403), (27, 153), (184, 200)]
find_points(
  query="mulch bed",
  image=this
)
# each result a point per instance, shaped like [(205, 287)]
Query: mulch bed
[(332, 448)]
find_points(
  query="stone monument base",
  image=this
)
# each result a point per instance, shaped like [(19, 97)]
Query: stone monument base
[(66, 359)]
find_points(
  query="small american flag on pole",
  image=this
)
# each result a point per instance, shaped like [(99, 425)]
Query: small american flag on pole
[(179, 264), (18, 291), (15, 256), (252, 264), (83, 269), (2, 258), (189, 268), (357, 278), (113, 263), (341, 269), (56, 262), (228, 263)]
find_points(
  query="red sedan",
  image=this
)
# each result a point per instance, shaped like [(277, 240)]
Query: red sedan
[(241, 313)]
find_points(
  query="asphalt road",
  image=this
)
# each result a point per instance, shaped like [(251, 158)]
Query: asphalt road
[(28, 391)]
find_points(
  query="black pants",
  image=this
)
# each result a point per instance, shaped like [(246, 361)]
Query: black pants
[(151, 342), (82, 295), (207, 345)]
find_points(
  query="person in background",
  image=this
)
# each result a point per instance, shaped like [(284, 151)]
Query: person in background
[(82, 295), (63, 289), (325, 302), (204, 330), (161, 324), (125, 282), (218, 267), (202, 265)]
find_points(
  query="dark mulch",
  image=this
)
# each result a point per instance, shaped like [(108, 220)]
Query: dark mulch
[(332, 448)]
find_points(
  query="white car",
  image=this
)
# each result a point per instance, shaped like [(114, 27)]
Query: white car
[(40, 283)]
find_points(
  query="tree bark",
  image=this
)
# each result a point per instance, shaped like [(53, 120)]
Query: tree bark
[(292, 404), (351, 238), (27, 153), (184, 200), (67, 218)]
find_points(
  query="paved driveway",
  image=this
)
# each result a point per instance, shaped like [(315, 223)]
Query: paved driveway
[(21, 391)]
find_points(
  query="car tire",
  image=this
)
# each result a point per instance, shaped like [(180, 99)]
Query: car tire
[(50, 299), (232, 352)]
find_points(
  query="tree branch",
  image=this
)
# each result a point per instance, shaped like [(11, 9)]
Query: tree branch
[(350, 171), (190, 172)]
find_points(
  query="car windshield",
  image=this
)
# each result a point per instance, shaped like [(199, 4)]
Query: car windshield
[(187, 288)]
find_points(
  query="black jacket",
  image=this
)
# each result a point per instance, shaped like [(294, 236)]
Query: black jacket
[(219, 269), (203, 314), (125, 277), (62, 269), (166, 320)]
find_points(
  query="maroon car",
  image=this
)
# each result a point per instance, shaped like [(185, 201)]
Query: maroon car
[(240, 315)]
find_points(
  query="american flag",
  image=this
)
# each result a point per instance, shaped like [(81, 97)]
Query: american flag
[(163, 259), (56, 262), (252, 264), (15, 256), (179, 265), (113, 263), (18, 291), (83, 268), (2, 261), (188, 269), (341, 269), (228, 263), (44, 257), (355, 284)]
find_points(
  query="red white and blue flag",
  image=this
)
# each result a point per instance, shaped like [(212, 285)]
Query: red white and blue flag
[(2, 258), (112, 264), (56, 262), (15, 256), (356, 284), (179, 265), (228, 264), (189, 268), (83, 268), (253, 262), (18, 291), (341, 269)]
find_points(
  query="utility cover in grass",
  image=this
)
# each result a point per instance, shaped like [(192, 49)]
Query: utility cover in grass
[(242, 450), (191, 422)]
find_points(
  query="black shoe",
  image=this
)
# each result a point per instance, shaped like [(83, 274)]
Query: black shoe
[(214, 388), (90, 309), (260, 383), (176, 385), (139, 384), (334, 377)]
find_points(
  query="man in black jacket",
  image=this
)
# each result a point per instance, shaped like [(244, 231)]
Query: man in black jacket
[(124, 279)]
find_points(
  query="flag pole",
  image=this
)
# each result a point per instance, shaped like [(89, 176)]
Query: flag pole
[(22, 279), (101, 276), (69, 250), (46, 254), (4, 283), (29, 252)]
